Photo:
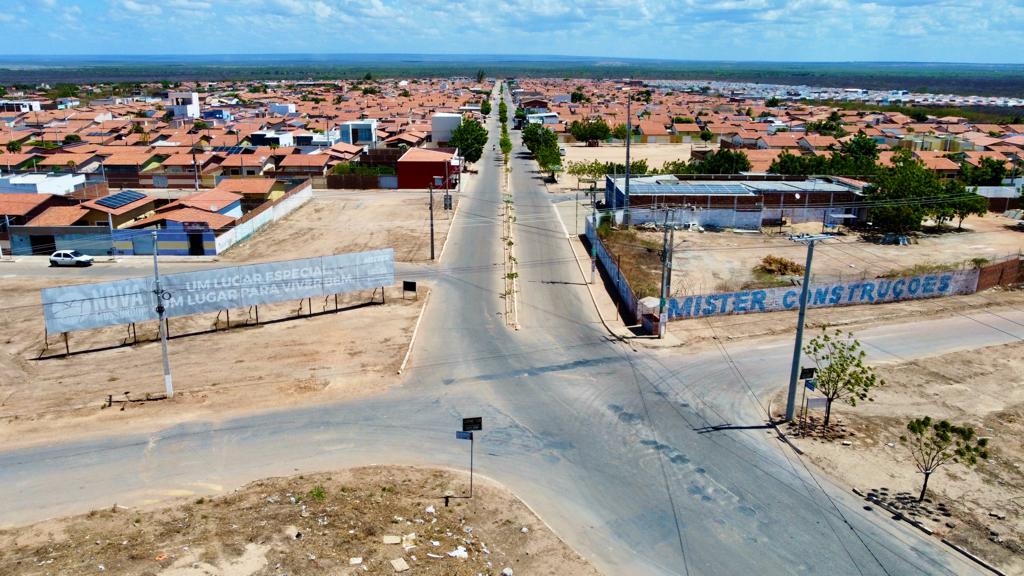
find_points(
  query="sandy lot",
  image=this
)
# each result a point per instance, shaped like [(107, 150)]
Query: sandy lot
[(655, 154), (723, 261), (983, 388), (313, 524), (336, 221), (318, 358)]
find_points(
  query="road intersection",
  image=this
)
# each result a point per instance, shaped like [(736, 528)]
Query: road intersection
[(646, 461)]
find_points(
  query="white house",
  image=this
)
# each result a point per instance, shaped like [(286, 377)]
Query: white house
[(59, 184), (442, 124), (184, 104)]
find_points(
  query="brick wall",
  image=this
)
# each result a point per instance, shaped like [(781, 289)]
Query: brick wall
[(1009, 272)]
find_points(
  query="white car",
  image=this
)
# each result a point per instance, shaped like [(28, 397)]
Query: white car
[(70, 258)]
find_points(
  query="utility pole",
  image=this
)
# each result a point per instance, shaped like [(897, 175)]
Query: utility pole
[(431, 220), (794, 371), (666, 274), (593, 241), (629, 138), (160, 296)]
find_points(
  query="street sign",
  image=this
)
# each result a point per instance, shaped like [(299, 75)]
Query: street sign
[(811, 383), (817, 403), (463, 435), (447, 201), (408, 286), (806, 373), (472, 424)]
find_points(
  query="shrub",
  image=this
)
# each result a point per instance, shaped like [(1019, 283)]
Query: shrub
[(778, 266)]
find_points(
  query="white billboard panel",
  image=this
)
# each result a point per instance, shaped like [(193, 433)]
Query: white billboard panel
[(85, 306)]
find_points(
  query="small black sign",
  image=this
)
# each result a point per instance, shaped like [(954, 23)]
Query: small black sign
[(472, 424), (408, 286), (806, 373), (447, 201)]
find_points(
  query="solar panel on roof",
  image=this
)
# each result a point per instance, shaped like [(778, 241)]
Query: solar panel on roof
[(120, 199)]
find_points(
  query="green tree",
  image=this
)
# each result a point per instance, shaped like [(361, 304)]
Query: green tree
[(14, 147), (520, 114), (620, 132), (578, 96), (536, 136), (470, 138), (682, 120), (480, 75), (368, 76), (963, 203), (72, 138), (200, 125), (502, 112), (506, 146), (591, 130), (842, 374), (722, 162), (989, 172), (772, 102), (405, 93), (706, 135), (901, 194), (935, 444), (485, 107)]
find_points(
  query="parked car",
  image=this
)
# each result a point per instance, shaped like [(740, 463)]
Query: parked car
[(70, 258)]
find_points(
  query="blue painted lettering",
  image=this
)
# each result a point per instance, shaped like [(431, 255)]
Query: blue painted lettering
[(757, 299), (853, 291), (696, 306), (868, 292), (739, 302), (944, 283), (837, 294), (725, 302), (928, 287), (882, 289), (820, 295), (897, 288), (710, 304), (914, 286), (788, 300)]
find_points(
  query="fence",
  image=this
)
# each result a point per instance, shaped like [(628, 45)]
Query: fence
[(360, 181), (626, 297), (1008, 271), (248, 225)]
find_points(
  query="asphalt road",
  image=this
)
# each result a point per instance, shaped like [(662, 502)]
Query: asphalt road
[(646, 462)]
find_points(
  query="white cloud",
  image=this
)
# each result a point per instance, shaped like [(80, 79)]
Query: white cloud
[(140, 8)]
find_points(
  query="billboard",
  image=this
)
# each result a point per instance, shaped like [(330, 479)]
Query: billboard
[(84, 306), (869, 291)]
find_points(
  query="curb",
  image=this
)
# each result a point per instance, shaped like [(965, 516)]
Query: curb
[(415, 330), (451, 225)]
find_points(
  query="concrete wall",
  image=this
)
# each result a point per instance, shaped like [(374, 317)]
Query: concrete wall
[(258, 219)]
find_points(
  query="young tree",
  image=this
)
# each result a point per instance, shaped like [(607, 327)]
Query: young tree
[(72, 138), (480, 75), (706, 135), (503, 112), (772, 102), (934, 444), (485, 106), (721, 162), (200, 125), (14, 147), (470, 138), (506, 146), (620, 132), (842, 374)]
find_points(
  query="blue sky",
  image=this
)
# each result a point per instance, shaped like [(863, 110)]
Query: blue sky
[(799, 30)]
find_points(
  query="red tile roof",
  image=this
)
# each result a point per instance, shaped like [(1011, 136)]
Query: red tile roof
[(59, 216)]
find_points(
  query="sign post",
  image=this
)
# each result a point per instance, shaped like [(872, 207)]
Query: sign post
[(470, 425)]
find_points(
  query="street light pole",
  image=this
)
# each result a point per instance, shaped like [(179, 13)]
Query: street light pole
[(794, 371), (160, 295), (431, 220), (629, 138)]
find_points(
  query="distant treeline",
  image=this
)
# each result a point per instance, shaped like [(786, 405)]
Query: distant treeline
[(965, 79)]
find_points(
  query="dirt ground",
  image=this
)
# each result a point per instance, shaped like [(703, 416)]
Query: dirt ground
[(723, 261), (655, 155), (317, 358), (336, 221), (981, 388), (331, 523)]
